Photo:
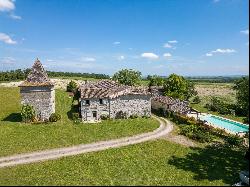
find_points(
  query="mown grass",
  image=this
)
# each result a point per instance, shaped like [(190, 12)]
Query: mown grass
[(17, 137), (152, 163)]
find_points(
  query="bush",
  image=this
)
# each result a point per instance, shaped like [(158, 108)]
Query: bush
[(196, 99), (104, 116), (133, 116), (72, 87), (196, 132), (28, 113), (54, 117), (234, 140), (75, 116), (218, 105), (121, 115)]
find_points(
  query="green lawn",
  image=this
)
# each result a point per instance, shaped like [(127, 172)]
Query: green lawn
[(153, 163), (17, 137)]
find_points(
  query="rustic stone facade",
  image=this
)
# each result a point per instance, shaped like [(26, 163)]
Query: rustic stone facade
[(170, 104), (41, 98), (38, 91), (112, 99)]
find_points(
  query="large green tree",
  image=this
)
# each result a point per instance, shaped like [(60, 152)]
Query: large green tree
[(178, 87), (242, 94), (127, 77), (155, 80)]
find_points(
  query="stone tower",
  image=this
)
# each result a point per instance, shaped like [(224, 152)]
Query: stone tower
[(37, 90)]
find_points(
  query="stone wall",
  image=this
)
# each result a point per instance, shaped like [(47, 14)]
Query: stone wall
[(41, 98), (178, 107), (131, 104), (94, 105)]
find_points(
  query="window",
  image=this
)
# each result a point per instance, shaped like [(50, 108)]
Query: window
[(94, 114), (87, 102), (101, 101)]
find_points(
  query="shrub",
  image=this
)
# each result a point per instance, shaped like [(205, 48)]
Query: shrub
[(196, 132), (196, 99), (234, 140), (133, 116), (54, 117), (28, 113), (104, 116), (75, 116), (121, 115), (72, 87)]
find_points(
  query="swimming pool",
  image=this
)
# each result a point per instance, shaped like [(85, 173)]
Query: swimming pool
[(224, 123)]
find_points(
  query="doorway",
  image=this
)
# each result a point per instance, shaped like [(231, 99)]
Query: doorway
[(94, 114)]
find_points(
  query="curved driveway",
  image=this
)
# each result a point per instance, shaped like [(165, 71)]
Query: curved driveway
[(164, 128)]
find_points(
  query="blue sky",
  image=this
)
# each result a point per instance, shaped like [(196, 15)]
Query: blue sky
[(187, 37)]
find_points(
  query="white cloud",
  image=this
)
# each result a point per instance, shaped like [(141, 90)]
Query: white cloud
[(13, 16), (224, 51), (8, 60), (6, 39), (173, 42), (88, 59), (167, 45), (50, 60), (7, 5), (209, 54), (150, 56), (216, 1), (116, 43), (167, 55), (245, 32), (121, 58)]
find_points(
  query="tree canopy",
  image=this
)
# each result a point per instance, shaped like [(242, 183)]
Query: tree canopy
[(242, 94), (155, 80), (178, 87), (127, 77)]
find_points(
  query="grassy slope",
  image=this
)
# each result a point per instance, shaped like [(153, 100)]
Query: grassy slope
[(152, 163), (18, 137)]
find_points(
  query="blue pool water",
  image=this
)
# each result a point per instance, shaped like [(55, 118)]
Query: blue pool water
[(227, 124)]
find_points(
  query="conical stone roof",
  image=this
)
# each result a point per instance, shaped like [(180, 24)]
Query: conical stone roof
[(37, 76)]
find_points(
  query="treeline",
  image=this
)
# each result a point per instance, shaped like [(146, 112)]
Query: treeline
[(13, 75), (215, 79), (19, 74), (84, 75)]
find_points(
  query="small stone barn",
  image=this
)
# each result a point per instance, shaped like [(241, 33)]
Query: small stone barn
[(37, 90), (110, 98), (170, 104)]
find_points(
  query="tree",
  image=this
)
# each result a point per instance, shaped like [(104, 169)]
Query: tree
[(72, 86), (242, 94), (155, 80), (127, 77), (178, 87)]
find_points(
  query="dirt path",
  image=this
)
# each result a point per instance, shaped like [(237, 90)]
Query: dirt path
[(165, 128)]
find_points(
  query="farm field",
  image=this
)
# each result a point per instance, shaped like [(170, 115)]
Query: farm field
[(153, 163), (17, 137), (222, 90)]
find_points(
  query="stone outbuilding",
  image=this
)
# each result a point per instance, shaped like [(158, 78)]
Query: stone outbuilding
[(37, 90), (110, 98)]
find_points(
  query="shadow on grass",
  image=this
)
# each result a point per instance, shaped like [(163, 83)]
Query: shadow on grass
[(213, 163), (74, 109), (14, 117)]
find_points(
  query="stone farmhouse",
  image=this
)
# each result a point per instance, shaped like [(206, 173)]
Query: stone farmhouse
[(102, 98), (110, 98), (37, 90)]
